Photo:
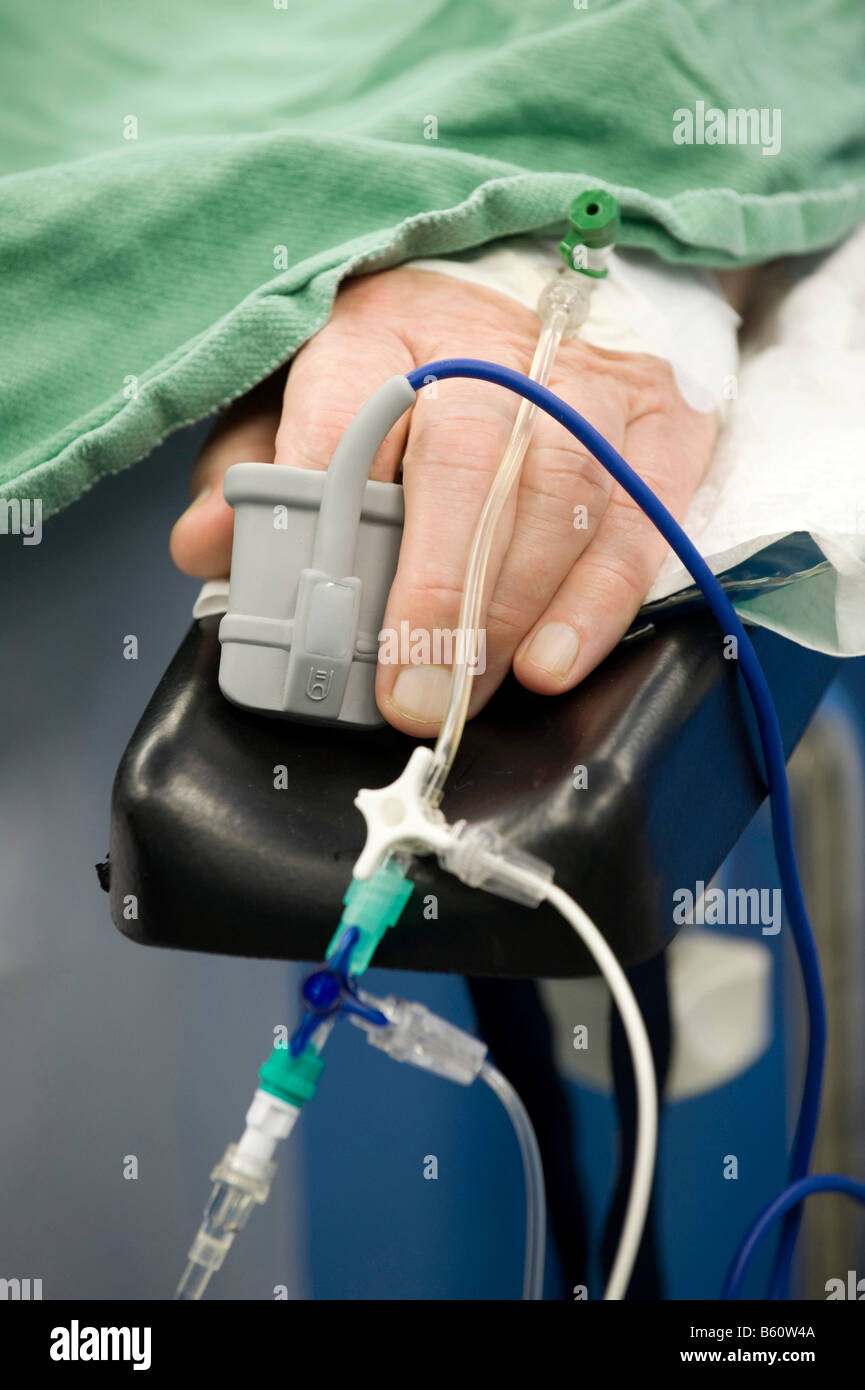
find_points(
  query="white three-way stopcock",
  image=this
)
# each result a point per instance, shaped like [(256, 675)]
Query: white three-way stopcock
[(400, 817)]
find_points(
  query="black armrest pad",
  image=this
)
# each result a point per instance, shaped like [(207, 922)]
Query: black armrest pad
[(220, 860)]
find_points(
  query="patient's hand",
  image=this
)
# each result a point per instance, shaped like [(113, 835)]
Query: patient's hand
[(564, 593)]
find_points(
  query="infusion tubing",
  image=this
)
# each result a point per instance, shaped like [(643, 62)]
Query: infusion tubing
[(788, 1203), (767, 722)]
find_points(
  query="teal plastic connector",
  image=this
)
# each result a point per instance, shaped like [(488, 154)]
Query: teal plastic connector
[(292, 1079), (594, 219), (372, 905)]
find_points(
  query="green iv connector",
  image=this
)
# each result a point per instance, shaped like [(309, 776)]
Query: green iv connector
[(372, 905), (292, 1079), (594, 222)]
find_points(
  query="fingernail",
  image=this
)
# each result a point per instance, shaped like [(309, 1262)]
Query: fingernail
[(421, 692), (554, 649)]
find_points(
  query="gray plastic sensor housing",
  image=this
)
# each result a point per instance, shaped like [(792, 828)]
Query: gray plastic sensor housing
[(313, 559)]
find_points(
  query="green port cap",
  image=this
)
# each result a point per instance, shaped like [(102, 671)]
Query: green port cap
[(594, 216), (594, 222)]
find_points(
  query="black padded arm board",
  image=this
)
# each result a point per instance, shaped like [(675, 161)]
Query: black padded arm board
[(221, 860)]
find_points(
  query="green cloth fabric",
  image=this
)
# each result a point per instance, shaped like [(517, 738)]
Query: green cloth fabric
[(141, 282)]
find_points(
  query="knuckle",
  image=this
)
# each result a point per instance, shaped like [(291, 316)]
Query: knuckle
[(436, 596), (609, 580), (633, 530), (567, 476), (460, 439), (651, 385), (508, 620), (311, 444)]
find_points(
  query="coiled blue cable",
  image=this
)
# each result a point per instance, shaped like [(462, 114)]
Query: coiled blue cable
[(789, 1200), (770, 738)]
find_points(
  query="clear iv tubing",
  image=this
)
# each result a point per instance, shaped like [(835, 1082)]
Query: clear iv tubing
[(558, 306), (536, 1210)]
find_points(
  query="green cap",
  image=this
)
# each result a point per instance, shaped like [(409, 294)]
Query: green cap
[(594, 222), (594, 215)]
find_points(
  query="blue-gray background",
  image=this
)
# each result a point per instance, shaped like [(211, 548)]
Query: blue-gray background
[(110, 1049)]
